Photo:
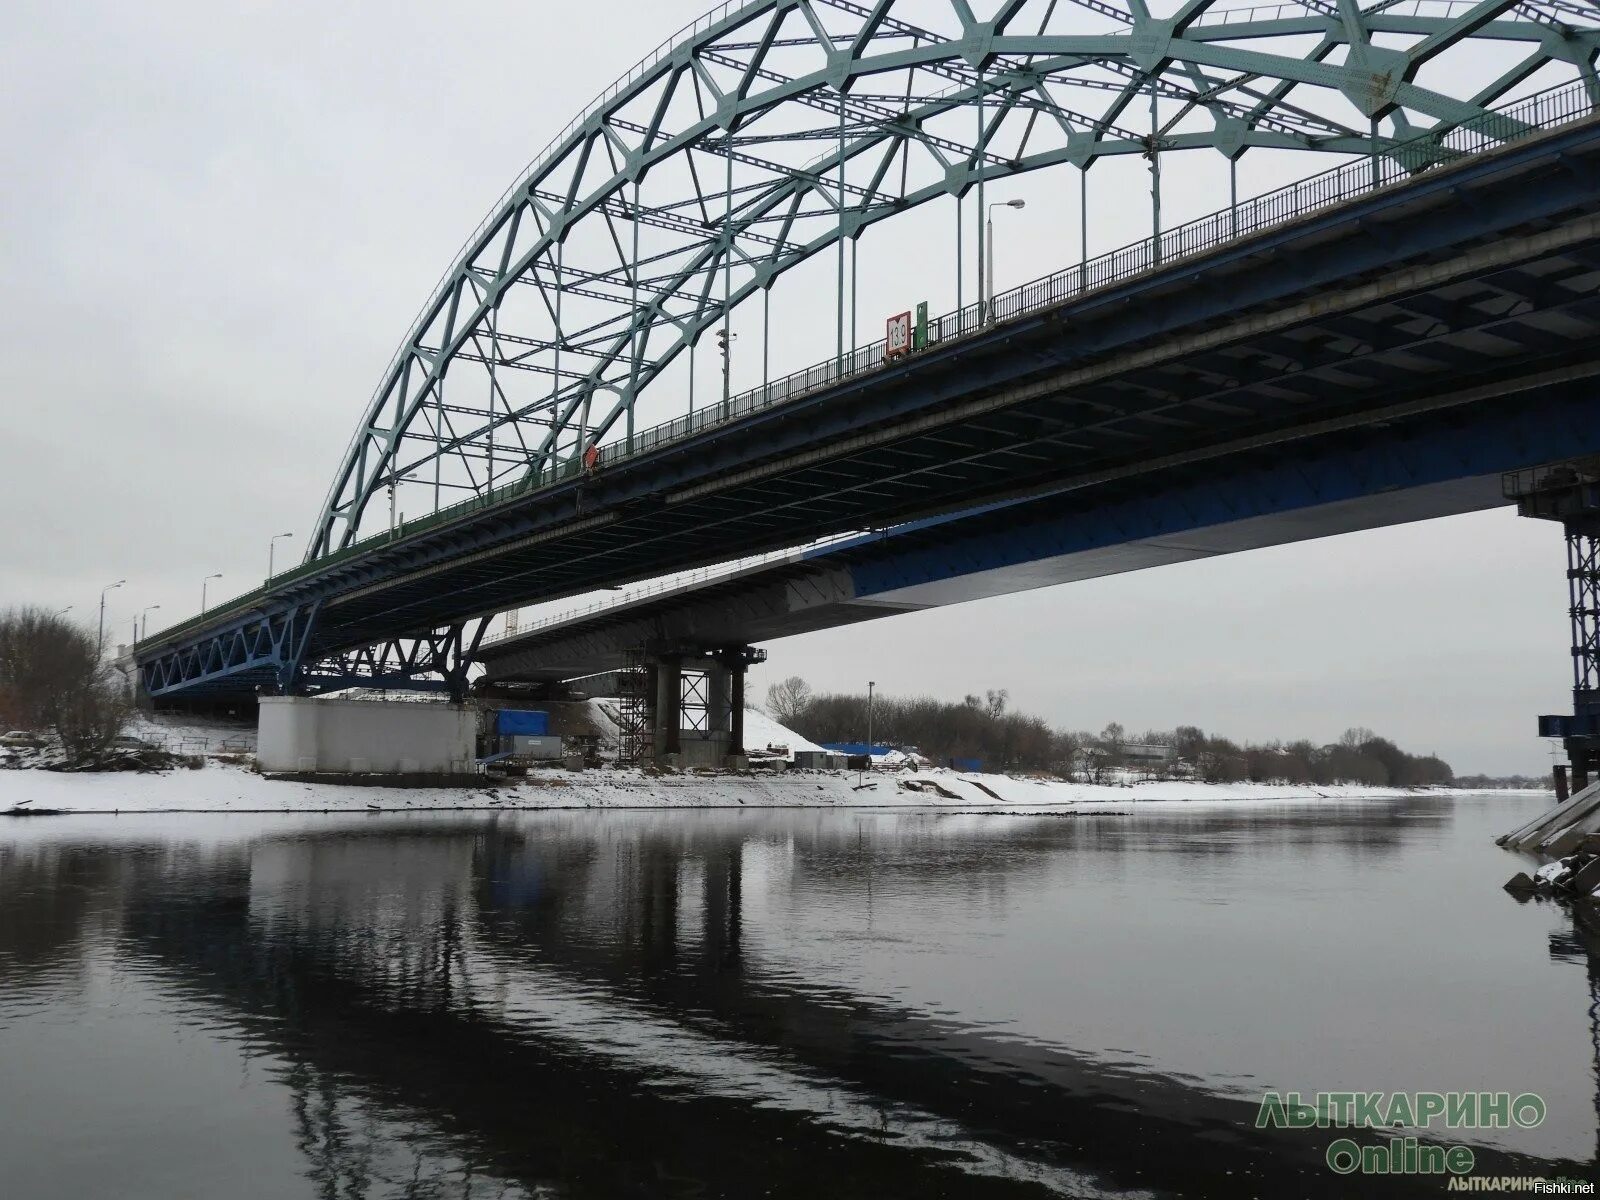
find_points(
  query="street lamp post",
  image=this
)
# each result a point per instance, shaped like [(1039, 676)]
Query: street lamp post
[(871, 683), (100, 634), (144, 621), (203, 584), (724, 340), (272, 547), (988, 296), (395, 480)]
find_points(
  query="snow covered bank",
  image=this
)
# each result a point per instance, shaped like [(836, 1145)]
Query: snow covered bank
[(221, 787), (762, 732), (226, 784)]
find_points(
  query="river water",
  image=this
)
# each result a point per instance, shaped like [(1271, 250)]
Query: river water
[(795, 1003)]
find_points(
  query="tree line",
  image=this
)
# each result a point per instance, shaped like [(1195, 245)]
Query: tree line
[(54, 678), (988, 729)]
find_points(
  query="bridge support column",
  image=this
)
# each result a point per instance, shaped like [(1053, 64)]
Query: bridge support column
[(718, 714), (719, 739), (736, 703), (669, 706), (1570, 493), (735, 663)]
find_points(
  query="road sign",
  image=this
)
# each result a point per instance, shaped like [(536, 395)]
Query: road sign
[(897, 336), (919, 335)]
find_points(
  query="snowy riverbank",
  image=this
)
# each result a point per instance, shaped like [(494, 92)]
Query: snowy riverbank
[(221, 787)]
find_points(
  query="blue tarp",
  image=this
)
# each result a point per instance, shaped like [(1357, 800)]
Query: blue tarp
[(966, 764), (515, 722), (855, 748)]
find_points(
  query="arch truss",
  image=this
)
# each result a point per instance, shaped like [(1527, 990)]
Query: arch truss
[(773, 131)]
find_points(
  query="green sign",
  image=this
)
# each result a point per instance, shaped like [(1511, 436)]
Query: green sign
[(919, 339)]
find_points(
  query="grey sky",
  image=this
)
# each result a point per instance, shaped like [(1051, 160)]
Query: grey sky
[(219, 221)]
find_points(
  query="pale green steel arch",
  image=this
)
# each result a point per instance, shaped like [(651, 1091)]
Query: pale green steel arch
[(770, 212)]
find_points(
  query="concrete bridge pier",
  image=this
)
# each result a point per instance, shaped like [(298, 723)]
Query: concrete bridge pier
[(667, 712), (695, 700)]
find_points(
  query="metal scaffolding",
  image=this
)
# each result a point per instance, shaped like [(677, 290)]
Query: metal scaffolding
[(634, 732), (1569, 493)]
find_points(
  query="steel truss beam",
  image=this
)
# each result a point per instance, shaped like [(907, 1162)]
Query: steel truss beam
[(438, 660), (269, 652), (268, 649)]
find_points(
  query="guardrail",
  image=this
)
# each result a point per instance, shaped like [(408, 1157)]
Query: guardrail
[(1398, 164), (669, 583)]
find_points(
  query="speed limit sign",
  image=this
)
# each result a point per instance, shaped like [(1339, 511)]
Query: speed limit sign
[(897, 336)]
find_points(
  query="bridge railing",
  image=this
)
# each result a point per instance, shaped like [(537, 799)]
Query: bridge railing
[(1284, 205), (667, 583), (1281, 206)]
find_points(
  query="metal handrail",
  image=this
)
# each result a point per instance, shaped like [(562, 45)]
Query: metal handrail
[(1273, 10), (1284, 205)]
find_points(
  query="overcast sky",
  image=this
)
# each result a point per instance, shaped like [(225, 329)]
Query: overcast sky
[(220, 219)]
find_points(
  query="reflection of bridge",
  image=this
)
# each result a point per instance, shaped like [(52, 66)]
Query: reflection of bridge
[(1374, 344), (598, 1012)]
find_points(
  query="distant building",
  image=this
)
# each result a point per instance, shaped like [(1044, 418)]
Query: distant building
[(1145, 752)]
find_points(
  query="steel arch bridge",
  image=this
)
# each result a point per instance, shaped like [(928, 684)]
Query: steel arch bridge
[(774, 131)]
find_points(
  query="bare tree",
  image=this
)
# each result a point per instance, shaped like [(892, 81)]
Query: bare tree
[(53, 675), (1066, 748), (788, 699), (92, 718), (41, 658)]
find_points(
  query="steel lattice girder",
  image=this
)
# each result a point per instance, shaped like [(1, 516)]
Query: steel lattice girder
[(267, 648), (272, 651), (401, 663), (748, 93), (1583, 581)]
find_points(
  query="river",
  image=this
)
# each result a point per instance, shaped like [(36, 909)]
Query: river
[(794, 1003)]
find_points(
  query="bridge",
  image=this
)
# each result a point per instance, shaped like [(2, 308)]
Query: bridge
[(1379, 341)]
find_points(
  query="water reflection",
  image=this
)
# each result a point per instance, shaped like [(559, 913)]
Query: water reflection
[(803, 1004)]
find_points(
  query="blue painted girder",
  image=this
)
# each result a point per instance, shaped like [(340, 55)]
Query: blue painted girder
[(1475, 445), (1413, 467)]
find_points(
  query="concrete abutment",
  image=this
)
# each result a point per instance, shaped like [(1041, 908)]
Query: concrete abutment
[(302, 735)]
